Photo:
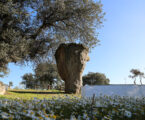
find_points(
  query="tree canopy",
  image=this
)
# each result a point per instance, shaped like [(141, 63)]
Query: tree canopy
[(29, 80), (136, 73), (44, 74), (47, 73), (31, 30), (95, 79), (10, 84)]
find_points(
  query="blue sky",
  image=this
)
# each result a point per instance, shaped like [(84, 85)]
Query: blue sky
[(122, 44)]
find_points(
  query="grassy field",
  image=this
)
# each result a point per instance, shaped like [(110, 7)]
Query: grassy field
[(31, 94)]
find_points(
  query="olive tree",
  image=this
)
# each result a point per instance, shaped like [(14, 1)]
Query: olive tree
[(31, 30), (136, 73), (95, 79)]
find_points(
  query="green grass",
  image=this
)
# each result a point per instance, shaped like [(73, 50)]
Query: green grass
[(30, 104), (32, 90), (31, 94)]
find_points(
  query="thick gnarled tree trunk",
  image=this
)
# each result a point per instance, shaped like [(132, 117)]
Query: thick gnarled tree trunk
[(71, 59)]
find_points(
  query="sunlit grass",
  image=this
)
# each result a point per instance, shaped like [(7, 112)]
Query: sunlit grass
[(40, 94), (32, 90)]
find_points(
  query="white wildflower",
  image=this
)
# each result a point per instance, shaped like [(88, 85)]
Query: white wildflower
[(128, 114)]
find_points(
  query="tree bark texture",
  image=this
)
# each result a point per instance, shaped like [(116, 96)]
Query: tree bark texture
[(71, 59)]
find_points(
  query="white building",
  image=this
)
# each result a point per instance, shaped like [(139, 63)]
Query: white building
[(129, 90)]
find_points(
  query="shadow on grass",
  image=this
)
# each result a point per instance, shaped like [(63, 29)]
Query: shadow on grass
[(33, 92)]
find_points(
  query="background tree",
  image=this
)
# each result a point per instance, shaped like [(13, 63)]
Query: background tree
[(29, 80), (44, 74), (10, 84), (60, 85), (47, 74), (95, 79), (31, 30), (141, 75), (136, 73)]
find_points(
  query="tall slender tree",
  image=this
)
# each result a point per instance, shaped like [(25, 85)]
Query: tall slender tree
[(10, 84), (136, 73), (141, 75)]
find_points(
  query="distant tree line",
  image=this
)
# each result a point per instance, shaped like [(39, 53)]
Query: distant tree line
[(95, 79), (45, 77)]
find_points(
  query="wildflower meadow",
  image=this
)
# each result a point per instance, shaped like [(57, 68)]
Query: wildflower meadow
[(71, 107)]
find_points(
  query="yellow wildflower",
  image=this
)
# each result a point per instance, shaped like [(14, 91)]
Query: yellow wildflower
[(53, 116), (10, 118), (32, 113), (24, 111), (40, 117)]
